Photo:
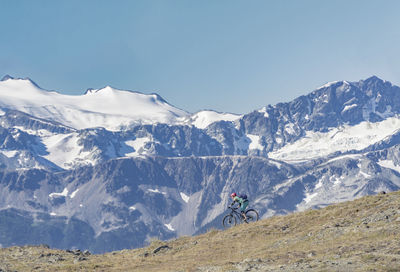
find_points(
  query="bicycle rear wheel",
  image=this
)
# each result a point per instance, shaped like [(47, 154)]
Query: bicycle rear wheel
[(252, 215), (229, 221)]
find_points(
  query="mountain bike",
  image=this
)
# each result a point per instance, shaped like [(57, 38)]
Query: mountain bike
[(235, 217)]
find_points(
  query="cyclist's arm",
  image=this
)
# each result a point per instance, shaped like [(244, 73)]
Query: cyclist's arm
[(237, 199)]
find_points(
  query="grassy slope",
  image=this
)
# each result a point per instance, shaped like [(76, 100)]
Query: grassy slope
[(361, 235)]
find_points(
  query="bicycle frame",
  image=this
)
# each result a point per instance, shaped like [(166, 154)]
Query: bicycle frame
[(234, 212)]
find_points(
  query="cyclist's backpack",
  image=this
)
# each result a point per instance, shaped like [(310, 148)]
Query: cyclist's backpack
[(243, 196)]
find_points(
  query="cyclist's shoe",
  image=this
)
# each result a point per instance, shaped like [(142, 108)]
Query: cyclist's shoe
[(244, 218)]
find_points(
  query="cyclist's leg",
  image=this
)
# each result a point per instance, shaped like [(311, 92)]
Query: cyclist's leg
[(243, 209)]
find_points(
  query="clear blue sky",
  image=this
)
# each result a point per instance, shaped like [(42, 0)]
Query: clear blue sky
[(227, 55)]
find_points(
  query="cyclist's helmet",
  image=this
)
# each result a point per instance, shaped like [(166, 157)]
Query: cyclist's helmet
[(233, 194)]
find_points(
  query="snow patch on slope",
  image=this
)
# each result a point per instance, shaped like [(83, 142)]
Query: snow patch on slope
[(255, 142), (319, 144), (205, 118), (389, 164), (64, 150), (185, 197), (156, 191), (264, 110), (169, 227), (309, 197), (349, 107), (138, 145), (74, 193), (63, 193)]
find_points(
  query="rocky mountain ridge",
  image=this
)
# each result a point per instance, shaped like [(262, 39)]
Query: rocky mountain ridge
[(93, 187)]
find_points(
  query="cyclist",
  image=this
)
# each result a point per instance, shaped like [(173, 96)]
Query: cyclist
[(242, 204)]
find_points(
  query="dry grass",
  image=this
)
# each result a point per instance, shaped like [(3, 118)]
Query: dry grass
[(361, 235)]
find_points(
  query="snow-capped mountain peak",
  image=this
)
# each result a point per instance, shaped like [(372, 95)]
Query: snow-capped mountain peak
[(107, 107), (203, 119), (106, 90), (373, 79), (6, 77), (328, 84), (110, 92), (20, 81)]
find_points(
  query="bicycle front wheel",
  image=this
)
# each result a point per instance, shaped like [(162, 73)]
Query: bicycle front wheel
[(252, 215), (229, 221)]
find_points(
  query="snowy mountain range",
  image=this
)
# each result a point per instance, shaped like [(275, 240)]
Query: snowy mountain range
[(111, 169)]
